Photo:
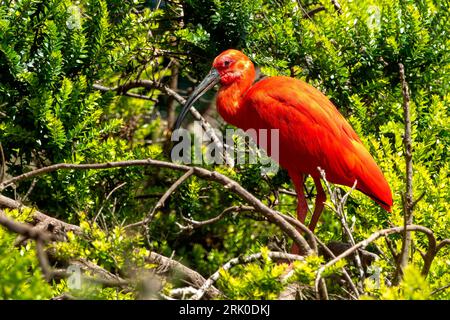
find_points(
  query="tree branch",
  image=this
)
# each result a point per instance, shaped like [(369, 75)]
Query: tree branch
[(338, 208), (169, 266), (408, 202), (228, 183), (44, 222)]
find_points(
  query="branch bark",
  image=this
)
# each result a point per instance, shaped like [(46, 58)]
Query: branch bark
[(43, 221), (408, 202), (168, 266)]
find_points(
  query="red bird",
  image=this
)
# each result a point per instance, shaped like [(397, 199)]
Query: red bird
[(312, 132)]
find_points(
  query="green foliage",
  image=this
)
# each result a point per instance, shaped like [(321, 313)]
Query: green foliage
[(21, 275), (254, 281), (113, 250), (412, 287)]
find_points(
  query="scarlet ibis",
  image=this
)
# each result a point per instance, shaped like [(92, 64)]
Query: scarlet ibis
[(312, 132)]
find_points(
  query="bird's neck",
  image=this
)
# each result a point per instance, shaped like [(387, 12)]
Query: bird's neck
[(229, 99)]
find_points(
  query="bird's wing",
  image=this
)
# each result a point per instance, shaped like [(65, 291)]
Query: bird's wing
[(318, 133)]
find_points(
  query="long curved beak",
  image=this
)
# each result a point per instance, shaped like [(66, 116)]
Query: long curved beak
[(208, 82)]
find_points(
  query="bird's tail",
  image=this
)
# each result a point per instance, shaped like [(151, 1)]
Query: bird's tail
[(374, 185)]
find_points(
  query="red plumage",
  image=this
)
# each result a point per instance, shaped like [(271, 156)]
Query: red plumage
[(312, 132)]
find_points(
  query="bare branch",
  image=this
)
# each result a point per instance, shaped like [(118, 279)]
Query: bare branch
[(45, 222), (440, 289), (442, 244), (163, 199), (299, 225), (337, 6), (23, 229), (311, 13), (169, 266), (31, 233), (408, 203), (107, 198), (128, 94)]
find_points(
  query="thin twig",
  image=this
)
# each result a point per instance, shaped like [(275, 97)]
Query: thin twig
[(107, 198), (162, 200), (128, 94), (440, 289), (242, 260), (338, 207), (30, 189), (311, 13), (193, 224)]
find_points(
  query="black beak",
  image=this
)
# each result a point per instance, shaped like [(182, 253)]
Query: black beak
[(210, 81)]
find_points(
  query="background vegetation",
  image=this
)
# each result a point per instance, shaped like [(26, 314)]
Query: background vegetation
[(91, 82)]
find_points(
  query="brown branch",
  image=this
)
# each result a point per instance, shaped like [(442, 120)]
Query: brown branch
[(440, 289), (24, 229), (29, 232), (128, 94), (162, 200), (442, 244), (408, 202), (228, 183), (44, 222), (165, 265), (310, 14)]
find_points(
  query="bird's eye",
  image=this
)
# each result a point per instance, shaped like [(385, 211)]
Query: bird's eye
[(227, 63)]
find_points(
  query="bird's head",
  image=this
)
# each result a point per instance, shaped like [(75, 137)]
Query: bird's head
[(228, 67)]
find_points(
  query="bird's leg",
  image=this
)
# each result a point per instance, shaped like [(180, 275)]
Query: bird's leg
[(319, 204), (302, 205)]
